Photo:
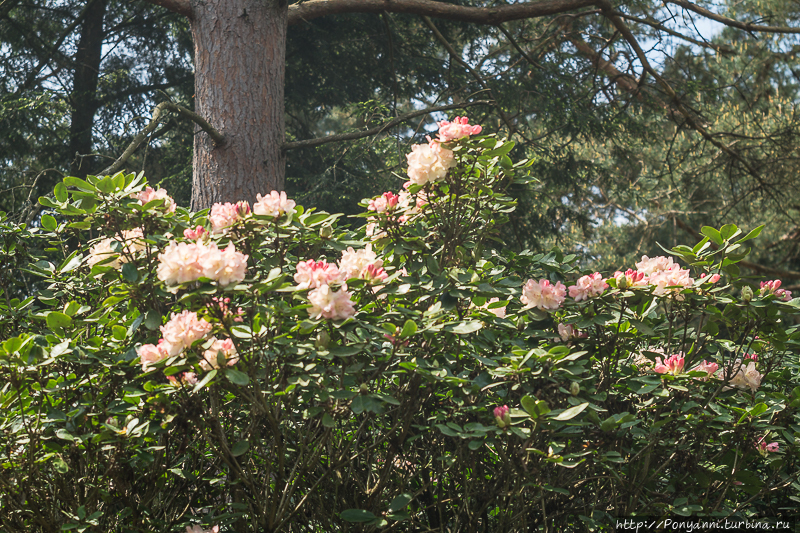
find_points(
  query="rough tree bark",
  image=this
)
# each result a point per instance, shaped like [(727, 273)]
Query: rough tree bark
[(239, 50), (84, 89)]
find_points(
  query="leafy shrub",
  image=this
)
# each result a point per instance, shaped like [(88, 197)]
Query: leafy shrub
[(265, 369)]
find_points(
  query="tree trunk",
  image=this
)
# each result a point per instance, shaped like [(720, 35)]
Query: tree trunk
[(84, 87), (240, 48)]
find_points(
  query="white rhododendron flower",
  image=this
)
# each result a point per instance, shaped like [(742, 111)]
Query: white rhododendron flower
[(650, 265), (274, 204), (745, 377), (354, 263), (132, 242), (185, 262), (327, 303), (182, 330), (543, 295), (212, 355), (429, 162), (674, 276)]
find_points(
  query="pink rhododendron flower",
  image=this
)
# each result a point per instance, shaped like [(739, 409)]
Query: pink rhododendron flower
[(650, 265), (429, 162), (385, 202), (182, 330), (588, 287), (543, 295), (773, 287), (274, 204), (212, 356), (630, 279), (149, 194), (313, 274), (150, 354), (751, 356), (764, 448), (458, 129), (375, 273), (327, 303), (354, 264), (708, 368), (712, 279), (183, 378), (132, 242), (672, 365), (227, 313), (195, 234), (502, 417), (223, 216)]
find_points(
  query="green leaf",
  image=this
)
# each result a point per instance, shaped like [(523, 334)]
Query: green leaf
[(236, 377), (728, 231), (400, 502), (752, 235), (119, 332), (239, 448), (572, 412), (409, 328), (60, 192), (49, 222), (152, 320), (129, 272), (467, 327), (712, 234), (57, 320), (758, 409), (357, 515), (208, 377), (327, 420), (79, 184)]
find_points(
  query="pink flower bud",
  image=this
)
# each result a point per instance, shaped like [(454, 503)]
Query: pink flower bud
[(502, 417)]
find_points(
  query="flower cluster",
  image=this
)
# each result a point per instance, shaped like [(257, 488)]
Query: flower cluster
[(223, 216), (183, 262), (131, 241), (314, 274), (662, 273), (275, 204), (428, 163), (385, 202), (149, 194), (328, 303), (740, 376), (671, 365), (221, 352), (543, 295), (458, 129), (773, 287), (588, 287), (182, 330), (568, 332), (764, 448)]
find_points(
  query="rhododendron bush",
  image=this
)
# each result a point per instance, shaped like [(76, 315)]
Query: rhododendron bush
[(263, 368)]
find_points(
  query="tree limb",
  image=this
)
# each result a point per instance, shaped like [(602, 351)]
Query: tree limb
[(732, 22), (479, 15), (722, 49), (154, 122), (378, 129), (181, 7)]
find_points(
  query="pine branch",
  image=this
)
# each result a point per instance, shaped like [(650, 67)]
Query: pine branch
[(154, 123), (378, 129), (181, 7), (732, 22), (479, 15)]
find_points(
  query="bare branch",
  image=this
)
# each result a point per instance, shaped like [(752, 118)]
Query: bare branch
[(731, 22), (181, 7), (154, 122), (659, 26), (478, 15), (378, 129)]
